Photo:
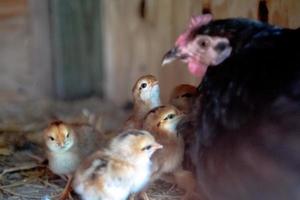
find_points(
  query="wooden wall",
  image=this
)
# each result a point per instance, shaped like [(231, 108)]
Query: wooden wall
[(132, 35), (15, 70), (138, 32), (76, 48), (25, 64)]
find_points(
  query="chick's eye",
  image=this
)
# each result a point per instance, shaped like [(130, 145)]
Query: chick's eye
[(171, 116), (146, 147), (51, 138), (144, 85), (68, 134)]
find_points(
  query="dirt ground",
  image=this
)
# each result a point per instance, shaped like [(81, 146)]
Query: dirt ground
[(21, 124)]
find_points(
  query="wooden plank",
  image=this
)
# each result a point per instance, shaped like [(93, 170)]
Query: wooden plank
[(40, 46), (278, 12), (12, 8), (76, 48), (293, 13), (284, 12), (234, 8)]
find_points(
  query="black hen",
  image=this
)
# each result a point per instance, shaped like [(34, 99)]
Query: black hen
[(248, 124)]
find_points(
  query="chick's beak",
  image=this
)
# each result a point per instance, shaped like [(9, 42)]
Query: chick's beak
[(180, 116), (155, 83), (157, 146), (170, 56)]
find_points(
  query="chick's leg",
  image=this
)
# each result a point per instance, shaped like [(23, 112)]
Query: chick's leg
[(144, 196), (66, 192), (139, 196)]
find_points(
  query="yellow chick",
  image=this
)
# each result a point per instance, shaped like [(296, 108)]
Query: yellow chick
[(121, 169), (66, 145), (162, 123), (183, 97), (146, 95)]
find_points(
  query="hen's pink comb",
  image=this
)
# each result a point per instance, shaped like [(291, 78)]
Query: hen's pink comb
[(200, 20), (195, 21)]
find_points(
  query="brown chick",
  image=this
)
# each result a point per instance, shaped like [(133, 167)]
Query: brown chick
[(183, 97), (121, 169), (66, 146), (162, 122), (146, 95)]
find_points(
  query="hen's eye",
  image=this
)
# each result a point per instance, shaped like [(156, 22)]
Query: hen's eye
[(146, 148), (203, 43), (68, 134), (51, 138)]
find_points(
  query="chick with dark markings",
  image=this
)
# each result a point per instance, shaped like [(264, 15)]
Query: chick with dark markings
[(121, 169)]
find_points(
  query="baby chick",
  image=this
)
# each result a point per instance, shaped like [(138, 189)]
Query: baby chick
[(146, 95), (162, 122), (122, 169), (183, 97), (66, 146)]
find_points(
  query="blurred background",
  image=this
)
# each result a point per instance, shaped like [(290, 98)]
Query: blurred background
[(77, 60), (72, 49)]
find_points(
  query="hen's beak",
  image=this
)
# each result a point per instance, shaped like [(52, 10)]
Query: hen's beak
[(170, 56)]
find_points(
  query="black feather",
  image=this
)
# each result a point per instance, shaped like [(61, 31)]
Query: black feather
[(248, 124)]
